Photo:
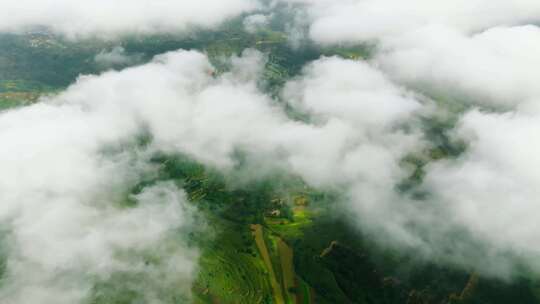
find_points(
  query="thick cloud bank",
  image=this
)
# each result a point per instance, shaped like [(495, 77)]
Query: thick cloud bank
[(62, 218), (495, 67), (65, 161), (115, 17), (335, 21), (484, 55), (493, 188)]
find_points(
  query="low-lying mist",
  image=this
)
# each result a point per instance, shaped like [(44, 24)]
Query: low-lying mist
[(69, 220)]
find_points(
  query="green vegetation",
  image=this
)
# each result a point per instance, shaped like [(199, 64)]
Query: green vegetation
[(231, 269), (14, 93), (286, 255), (260, 240)]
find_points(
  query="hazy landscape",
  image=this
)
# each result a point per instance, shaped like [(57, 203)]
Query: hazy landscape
[(283, 151)]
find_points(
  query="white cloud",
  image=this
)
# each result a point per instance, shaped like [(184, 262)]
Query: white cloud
[(253, 23), (492, 189), (116, 57), (335, 21), (61, 202), (358, 109), (494, 67), (485, 53), (353, 91), (60, 186), (444, 47), (117, 17)]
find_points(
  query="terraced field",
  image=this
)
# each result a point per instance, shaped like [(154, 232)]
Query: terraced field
[(14, 93), (231, 272), (287, 271), (258, 234), (279, 260)]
